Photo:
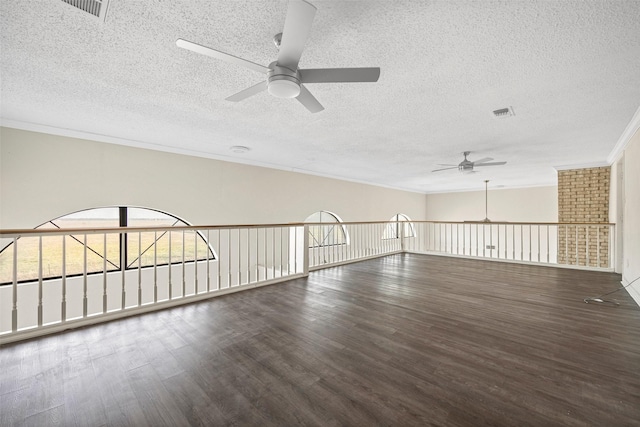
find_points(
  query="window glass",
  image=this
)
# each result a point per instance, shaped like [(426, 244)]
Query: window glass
[(399, 224), (333, 233), (103, 250)]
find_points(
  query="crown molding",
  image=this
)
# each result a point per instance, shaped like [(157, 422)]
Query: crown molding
[(599, 164), (631, 129), (70, 133)]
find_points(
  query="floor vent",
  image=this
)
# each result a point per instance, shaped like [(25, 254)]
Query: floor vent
[(97, 8)]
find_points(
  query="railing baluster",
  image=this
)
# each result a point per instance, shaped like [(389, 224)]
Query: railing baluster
[(229, 256), (445, 237), (491, 245), (464, 239), (538, 243), (219, 263), (123, 268), (248, 253), (39, 281), (258, 262), (170, 267), (295, 248), (548, 244), (14, 308), (577, 263), (63, 314), (273, 253), (184, 280), (155, 266), (104, 273), (281, 253), (530, 258), (84, 278), (209, 260), (586, 227), (598, 245), (521, 242), (195, 262), (513, 241), (266, 254), (566, 244), (139, 268), (239, 240)]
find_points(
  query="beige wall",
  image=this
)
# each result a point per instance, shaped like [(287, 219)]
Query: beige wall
[(535, 204), (44, 176), (631, 216)]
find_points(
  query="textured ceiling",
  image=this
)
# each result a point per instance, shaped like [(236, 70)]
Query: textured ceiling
[(570, 70)]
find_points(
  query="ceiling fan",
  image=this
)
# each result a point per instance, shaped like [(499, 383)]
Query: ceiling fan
[(467, 165), (283, 77)]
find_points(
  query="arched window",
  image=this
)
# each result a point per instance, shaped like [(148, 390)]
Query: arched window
[(394, 230), (105, 252), (331, 234)]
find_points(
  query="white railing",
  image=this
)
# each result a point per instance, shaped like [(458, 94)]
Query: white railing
[(65, 279), (342, 243), (52, 280), (588, 246)]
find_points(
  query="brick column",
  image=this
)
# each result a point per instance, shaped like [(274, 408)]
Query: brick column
[(583, 197)]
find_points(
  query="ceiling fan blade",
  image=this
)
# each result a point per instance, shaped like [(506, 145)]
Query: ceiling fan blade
[(340, 75), (309, 101), (490, 164), (483, 160), (250, 91), (445, 164), (297, 26), (203, 50), (444, 169)]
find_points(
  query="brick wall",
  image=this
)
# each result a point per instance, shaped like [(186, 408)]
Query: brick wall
[(583, 197)]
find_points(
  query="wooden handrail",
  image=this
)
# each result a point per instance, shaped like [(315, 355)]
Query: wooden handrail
[(10, 233)]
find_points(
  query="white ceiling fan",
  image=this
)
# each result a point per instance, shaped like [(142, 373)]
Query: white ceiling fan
[(283, 77), (467, 165)]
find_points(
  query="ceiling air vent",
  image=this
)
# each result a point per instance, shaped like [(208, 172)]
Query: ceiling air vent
[(503, 113), (97, 8)]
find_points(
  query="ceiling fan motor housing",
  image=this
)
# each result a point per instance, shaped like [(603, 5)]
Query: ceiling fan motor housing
[(283, 82)]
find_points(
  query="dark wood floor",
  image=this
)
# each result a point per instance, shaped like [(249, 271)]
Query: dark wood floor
[(402, 340)]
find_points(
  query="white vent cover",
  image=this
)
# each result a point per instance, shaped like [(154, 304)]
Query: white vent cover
[(503, 113), (97, 8)]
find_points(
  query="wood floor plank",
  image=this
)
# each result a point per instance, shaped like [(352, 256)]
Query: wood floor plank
[(401, 340)]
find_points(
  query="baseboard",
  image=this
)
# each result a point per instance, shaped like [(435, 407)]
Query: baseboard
[(633, 290)]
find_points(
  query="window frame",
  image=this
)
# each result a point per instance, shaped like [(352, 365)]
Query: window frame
[(394, 224), (325, 235), (123, 253)]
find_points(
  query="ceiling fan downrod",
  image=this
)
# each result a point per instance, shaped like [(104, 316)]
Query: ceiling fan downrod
[(486, 201)]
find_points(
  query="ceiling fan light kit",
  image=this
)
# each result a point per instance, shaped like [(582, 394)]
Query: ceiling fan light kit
[(467, 166), (283, 82), (284, 79)]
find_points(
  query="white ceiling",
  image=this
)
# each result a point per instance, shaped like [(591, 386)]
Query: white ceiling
[(569, 69)]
